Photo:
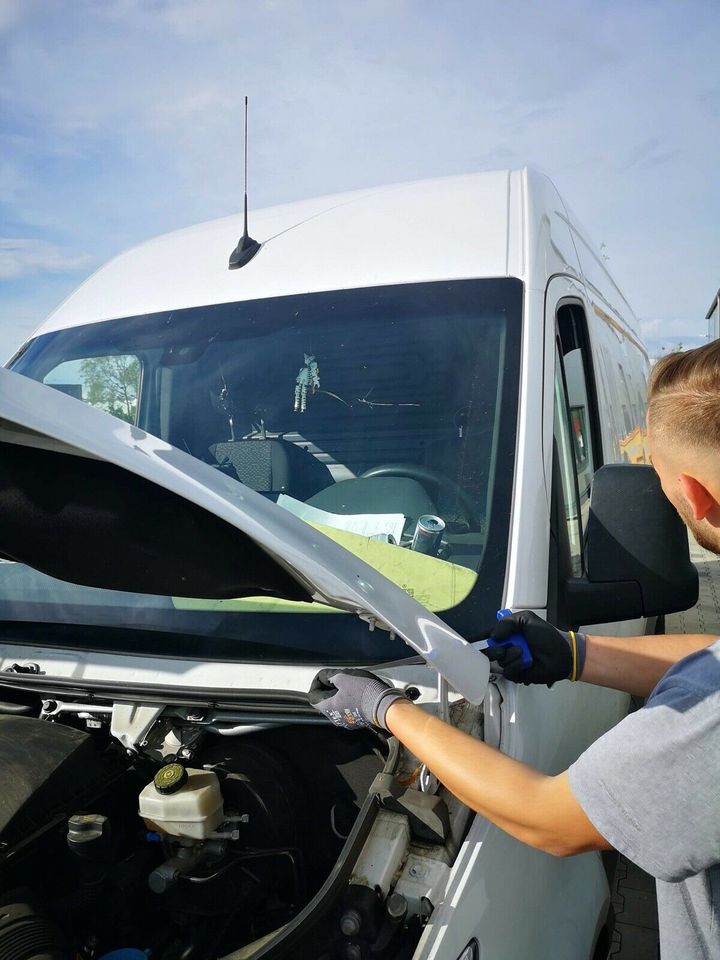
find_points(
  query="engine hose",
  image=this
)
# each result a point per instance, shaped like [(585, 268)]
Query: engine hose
[(292, 853)]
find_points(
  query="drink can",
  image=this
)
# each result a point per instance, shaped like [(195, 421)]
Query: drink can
[(428, 534)]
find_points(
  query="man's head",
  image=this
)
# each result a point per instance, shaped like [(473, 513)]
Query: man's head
[(684, 437)]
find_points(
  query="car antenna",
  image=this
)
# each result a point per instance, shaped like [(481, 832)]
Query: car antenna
[(247, 247)]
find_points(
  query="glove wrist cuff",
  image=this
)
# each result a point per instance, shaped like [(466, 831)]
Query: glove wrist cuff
[(386, 698), (376, 698), (577, 643)]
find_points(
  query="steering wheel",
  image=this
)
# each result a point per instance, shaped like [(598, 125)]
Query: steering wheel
[(425, 475)]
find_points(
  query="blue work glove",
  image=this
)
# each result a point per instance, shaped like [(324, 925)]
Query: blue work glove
[(556, 655), (352, 698)]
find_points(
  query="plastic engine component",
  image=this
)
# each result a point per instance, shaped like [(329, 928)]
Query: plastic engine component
[(194, 810), (25, 934), (44, 767), (125, 953)]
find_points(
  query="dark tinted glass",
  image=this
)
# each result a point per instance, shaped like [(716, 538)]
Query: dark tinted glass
[(373, 412)]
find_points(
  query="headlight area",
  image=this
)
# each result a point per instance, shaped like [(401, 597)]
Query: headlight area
[(216, 836)]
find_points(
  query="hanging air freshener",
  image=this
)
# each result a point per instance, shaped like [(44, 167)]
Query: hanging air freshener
[(307, 378)]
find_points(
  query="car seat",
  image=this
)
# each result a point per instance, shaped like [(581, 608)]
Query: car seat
[(273, 466)]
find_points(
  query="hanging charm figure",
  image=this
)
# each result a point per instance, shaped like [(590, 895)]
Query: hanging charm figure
[(223, 400), (307, 378)]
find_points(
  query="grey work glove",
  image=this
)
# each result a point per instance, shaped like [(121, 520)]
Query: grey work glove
[(556, 655), (352, 698)]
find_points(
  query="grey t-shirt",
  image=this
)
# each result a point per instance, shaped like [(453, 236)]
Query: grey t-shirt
[(651, 786)]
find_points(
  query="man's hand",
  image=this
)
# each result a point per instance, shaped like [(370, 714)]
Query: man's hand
[(352, 698), (556, 655)]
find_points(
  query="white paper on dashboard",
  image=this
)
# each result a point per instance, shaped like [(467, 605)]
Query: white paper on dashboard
[(366, 524)]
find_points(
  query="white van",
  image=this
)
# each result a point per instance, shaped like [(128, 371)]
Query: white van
[(353, 450)]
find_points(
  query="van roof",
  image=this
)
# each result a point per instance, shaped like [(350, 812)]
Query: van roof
[(473, 226)]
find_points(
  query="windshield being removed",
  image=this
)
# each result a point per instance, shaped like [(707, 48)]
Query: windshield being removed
[(384, 416)]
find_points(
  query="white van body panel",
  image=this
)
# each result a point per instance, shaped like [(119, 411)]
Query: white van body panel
[(526, 580), (509, 223), (492, 895), (403, 234), (516, 901), (83, 666)]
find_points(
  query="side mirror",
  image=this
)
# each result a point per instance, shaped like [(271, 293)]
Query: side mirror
[(637, 556)]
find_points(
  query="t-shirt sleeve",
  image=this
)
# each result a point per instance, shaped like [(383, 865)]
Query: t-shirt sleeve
[(651, 785)]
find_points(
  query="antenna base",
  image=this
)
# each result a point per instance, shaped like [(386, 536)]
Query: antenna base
[(243, 252)]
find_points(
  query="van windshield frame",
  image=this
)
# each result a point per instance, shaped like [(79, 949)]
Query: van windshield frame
[(487, 311)]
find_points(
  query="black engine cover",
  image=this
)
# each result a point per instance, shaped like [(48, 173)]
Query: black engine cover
[(44, 767)]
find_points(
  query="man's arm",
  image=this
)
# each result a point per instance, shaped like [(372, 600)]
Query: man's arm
[(632, 664), (532, 807), (539, 810), (636, 664)]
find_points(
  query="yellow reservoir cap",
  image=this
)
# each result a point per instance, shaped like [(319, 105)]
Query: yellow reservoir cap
[(170, 778)]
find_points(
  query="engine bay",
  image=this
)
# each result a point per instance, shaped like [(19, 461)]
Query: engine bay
[(130, 831)]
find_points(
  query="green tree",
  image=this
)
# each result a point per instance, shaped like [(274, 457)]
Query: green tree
[(111, 383)]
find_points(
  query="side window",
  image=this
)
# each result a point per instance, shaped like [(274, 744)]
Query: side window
[(574, 349), (111, 383), (566, 446)]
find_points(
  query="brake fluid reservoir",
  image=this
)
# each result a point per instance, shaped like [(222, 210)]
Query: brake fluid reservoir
[(182, 802)]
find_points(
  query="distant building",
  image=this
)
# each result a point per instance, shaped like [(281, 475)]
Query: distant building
[(713, 318)]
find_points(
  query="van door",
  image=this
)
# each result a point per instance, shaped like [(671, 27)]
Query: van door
[(580, 407), (577, 452)]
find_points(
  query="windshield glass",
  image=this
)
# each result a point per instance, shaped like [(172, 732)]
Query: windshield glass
[(385, 416)]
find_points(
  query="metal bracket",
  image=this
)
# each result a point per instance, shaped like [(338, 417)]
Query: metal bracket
[(132, 722)]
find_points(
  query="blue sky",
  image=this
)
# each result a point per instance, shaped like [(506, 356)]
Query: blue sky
[(121, 119)]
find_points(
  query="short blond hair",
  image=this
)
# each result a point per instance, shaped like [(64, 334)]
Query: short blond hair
[(684, 396)]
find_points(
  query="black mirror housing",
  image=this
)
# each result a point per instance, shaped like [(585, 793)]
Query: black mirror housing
[(637, 555)]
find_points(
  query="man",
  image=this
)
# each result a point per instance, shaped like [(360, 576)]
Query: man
[(651, 786)]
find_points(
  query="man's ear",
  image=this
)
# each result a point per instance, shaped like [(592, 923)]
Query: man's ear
[(701, 501)]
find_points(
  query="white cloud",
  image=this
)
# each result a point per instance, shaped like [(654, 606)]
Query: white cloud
[(651, 328), (128, 117), (23, 256), (21, 315)]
